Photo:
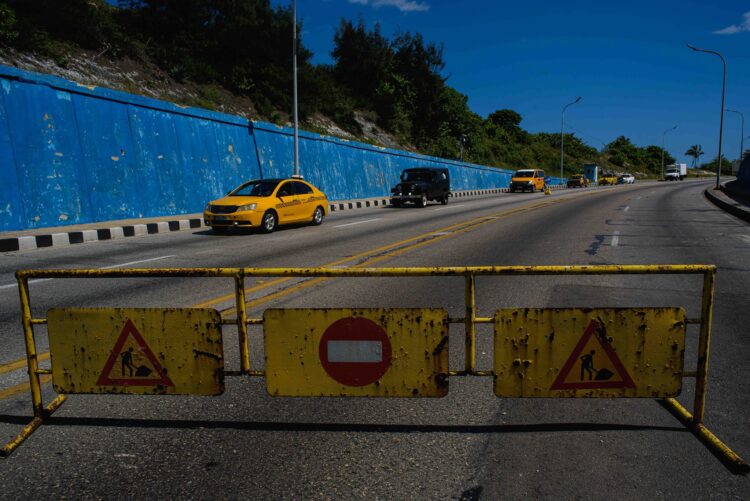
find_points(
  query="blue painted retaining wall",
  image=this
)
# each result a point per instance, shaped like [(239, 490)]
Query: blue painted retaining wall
[(74, 154)]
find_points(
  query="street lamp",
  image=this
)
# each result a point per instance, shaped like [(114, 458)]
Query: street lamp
[(742, 132), (294, 65), (662, 149), (721, 121), (562, 138)]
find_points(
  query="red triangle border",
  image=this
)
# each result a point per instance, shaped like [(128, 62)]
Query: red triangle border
[(560, 384), (128, 330)]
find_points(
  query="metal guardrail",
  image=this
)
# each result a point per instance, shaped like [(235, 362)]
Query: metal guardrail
[(694, 421)]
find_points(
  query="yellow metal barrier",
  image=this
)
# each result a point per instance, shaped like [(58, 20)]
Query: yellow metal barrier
[(693, 421)]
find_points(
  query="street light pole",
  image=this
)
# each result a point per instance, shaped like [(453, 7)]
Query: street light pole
[(721, 121), (662, 149), (562, 138), (294, 64), (742, 132)]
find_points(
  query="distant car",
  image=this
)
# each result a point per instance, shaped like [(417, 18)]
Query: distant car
[(578, 181), (420, 185), (607, 178), (626, 179), (528, 180), (266, 204)]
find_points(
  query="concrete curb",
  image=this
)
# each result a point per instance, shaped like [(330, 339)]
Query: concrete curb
[(95, 235), (385, 201), (734, 208)]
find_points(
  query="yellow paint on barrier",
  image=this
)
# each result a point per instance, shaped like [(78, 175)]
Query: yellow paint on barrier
[(376, 352), (136, 351), (621, 352)]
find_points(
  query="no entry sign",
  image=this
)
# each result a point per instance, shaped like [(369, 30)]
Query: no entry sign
[(355, 351)]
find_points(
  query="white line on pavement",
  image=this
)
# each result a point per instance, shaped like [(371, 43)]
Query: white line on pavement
[(450, 207), (615, 239), (626, 209), (358, 222), (135, 262), (744, 238), (8, 286)]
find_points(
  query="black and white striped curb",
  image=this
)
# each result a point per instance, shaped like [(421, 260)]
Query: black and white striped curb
[(382, 202), (13, 244), (79, 237)]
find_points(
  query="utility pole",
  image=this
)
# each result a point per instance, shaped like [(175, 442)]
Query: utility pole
[(562, 138), (721, 121), (294, 64), (662, 149), (742, 132)]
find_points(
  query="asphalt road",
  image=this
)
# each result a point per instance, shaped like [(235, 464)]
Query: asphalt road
[(468, 445)]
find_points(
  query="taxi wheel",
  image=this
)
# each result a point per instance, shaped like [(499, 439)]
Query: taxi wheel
[(269, 222), (317, 216)]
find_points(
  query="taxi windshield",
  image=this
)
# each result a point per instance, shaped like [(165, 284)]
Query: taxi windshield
[(524, 173), (261, 188)]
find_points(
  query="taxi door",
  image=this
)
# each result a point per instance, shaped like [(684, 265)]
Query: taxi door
[(287, 204), (306, 198)]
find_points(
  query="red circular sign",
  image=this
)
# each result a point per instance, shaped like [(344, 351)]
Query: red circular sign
[(355, 351)]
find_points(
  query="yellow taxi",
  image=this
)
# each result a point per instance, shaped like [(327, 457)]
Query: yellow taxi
[(528, 179), (267, 203)]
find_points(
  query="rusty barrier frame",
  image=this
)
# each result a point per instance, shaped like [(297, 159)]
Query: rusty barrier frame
[(693, 421)]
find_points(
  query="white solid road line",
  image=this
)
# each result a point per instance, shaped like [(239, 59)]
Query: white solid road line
[(744, 238), (358, 222), (626, 209), (9, 286), (615, 239), (450, 207), (136, 262)]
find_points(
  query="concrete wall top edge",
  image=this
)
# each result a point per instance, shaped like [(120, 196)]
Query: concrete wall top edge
[(59, 83)]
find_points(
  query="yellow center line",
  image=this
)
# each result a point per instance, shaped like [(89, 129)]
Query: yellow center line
[(475, 223), (18, 364), (23, 387), (417, 242)]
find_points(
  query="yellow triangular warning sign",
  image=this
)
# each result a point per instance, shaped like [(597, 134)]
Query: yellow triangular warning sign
[(132, 363), (593, 364)]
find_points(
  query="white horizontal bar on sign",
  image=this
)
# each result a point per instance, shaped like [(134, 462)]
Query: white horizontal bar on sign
[(355, 351)]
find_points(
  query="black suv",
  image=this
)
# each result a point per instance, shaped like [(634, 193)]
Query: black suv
[(420, 185)]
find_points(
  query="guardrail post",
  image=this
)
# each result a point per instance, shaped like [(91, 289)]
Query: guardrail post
[(239, 285), (701, 383), (31, 355), (470, 319)]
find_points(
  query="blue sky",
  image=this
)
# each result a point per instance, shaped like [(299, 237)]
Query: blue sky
[(628, 61)]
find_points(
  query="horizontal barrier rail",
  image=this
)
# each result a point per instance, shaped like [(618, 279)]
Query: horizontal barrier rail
[(470, 320), (374, 272)]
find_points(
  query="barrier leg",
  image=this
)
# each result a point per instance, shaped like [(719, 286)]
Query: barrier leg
[(239, 284), (40, 412), (471, 315), (701, 381)]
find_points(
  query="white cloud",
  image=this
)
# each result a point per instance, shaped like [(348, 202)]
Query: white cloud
[(736, 28), (402, 5)]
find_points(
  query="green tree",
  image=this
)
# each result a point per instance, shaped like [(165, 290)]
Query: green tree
[(695, 151), (7, 24)]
